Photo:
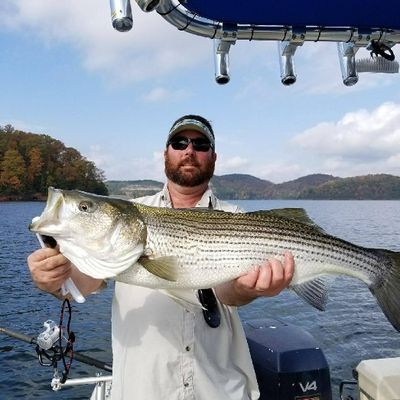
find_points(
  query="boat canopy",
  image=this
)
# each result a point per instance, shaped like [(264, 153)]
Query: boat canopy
[(352, 24), (361, 14)]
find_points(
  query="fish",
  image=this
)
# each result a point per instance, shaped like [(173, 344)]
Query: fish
[(187, 249)]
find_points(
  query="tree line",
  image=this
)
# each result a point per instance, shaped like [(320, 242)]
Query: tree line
[(30, 163)]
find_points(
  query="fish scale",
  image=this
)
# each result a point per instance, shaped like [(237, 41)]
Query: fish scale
[(218, 235), (174, 249)]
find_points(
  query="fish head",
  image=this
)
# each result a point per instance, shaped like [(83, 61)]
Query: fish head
[(91, 229)]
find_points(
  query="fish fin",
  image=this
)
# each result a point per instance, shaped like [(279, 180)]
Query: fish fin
[(314, 292), (164, 267), (386, 289), (296, 214), (185, 297)]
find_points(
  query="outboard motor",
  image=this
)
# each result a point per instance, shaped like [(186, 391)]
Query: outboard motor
[(288, 361)]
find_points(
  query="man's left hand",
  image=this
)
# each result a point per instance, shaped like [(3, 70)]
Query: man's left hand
[(267, 279)]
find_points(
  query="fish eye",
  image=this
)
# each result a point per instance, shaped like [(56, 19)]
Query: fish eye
[(86, 206)]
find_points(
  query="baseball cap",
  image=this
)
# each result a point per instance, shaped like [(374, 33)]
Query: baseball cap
[(195, 123)]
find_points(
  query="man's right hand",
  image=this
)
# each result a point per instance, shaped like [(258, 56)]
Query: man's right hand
[(49, 269)]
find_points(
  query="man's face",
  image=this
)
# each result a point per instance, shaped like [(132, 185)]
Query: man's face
[(189, 167)]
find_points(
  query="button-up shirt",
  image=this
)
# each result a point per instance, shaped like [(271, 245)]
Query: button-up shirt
[(163, 351)]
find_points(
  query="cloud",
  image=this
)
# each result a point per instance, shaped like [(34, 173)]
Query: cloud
[(230, 165), (360, 142), (153, 48), (128, 167), (161, 94)]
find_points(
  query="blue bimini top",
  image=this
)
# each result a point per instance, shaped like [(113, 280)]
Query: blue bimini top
[(361, 14)]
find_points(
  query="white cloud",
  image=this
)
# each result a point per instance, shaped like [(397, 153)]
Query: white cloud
[(151, 49), (231, 165), (361, 142), (128, 167), (161, 94)]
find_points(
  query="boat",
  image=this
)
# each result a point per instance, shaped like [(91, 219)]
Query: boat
[(354, 25), (288, 361)]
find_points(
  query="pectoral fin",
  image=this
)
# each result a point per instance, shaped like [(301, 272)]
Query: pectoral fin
[(163, 267), (185, 297), (314, 292)]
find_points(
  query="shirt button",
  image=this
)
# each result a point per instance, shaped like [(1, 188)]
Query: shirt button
[(187, 348), (186, 384)]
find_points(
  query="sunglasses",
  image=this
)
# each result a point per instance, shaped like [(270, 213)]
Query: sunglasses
[(181, 143)]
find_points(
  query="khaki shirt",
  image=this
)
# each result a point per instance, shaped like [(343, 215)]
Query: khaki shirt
[(163, 351)]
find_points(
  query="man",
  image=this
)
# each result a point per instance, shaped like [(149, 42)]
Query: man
[(161, 350)]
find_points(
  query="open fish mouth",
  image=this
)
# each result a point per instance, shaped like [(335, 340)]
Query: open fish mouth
[(50, 215)]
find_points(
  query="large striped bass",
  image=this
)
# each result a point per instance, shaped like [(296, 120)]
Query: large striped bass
[(174, 249)]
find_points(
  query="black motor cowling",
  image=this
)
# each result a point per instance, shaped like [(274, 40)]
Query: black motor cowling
[(288, 362)]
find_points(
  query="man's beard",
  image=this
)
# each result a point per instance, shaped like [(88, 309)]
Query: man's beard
[(192, 178)]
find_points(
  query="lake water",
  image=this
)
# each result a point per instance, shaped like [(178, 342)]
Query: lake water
[(351, 329)]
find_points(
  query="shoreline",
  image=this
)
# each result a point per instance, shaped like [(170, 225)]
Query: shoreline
[(20, 198)]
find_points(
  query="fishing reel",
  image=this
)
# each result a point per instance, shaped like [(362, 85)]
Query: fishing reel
[(47, 339), (49, 344)]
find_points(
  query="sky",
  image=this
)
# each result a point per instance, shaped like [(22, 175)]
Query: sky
[(113, 96)]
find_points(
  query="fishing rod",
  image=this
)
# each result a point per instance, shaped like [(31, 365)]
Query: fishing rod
[(77, 356), (49, 344)]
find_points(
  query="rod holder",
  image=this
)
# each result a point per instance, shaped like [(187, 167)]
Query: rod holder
[(221, 61), (347, 59), (148, 5), (121, 15), (286, 51)]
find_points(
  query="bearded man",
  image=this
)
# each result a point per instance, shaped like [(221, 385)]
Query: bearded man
[(161, 349)]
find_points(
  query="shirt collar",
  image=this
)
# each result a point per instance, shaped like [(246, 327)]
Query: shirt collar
[(208, 200)]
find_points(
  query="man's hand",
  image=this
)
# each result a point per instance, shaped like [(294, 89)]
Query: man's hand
[(268, 279), (50, 269)]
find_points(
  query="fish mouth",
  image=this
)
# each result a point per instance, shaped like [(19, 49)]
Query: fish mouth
[(47, 221)]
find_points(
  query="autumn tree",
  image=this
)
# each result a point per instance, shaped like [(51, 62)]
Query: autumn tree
[(12, 176), (34, 170), (29, 163)]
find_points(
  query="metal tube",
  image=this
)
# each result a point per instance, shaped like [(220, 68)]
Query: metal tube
[(347, 60), (87, 381), (221, 61), (177, 15), (121, 15), (148, 5), (286, 52)]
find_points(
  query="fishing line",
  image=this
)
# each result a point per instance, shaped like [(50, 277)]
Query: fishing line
[(50, 343), (69, 348)]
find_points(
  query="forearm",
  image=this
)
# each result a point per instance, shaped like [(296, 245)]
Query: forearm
[(86, 284), (228, 294)]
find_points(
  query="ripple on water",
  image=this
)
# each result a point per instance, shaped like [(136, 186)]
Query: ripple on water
[(351, 329)]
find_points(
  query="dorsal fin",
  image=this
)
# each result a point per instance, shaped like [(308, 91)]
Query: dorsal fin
[(296, 214)]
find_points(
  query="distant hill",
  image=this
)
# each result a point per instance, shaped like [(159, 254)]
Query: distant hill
[(133, 189), (371, 187), (240, 186), (248, 187)]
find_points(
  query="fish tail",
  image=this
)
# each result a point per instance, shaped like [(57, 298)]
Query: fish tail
[(387, 289)]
